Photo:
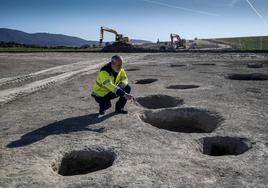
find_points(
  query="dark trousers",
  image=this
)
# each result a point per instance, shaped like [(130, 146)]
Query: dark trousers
[(105, 102)]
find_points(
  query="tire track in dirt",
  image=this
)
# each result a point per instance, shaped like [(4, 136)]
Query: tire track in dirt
[(11, 94), (14, 81), (31, 83)]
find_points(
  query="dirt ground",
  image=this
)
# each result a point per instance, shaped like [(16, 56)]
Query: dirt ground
[(199, 120)]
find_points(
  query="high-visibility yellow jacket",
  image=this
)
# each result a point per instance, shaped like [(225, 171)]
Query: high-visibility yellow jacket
[(106, 81)]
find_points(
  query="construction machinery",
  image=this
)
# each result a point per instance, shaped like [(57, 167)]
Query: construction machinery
[(120, 40), (177, 42)]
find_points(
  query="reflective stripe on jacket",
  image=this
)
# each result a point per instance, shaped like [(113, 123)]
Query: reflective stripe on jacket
[(106, 82)]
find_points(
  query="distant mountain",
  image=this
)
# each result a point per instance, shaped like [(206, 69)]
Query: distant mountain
[(138, 41), (47, 39), (42, 39)]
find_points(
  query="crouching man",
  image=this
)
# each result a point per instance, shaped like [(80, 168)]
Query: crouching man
[(112, 82)]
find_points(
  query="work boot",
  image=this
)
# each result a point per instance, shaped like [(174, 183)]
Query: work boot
[(121, 111), (101, 112)]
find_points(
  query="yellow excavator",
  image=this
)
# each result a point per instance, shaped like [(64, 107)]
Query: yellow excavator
[(119, 38), (178, 43)]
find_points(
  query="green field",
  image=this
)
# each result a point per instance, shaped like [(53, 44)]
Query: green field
[(245, 43)]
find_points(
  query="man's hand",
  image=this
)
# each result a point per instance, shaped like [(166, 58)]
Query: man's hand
[(128, 96)]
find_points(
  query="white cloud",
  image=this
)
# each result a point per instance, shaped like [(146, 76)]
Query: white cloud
[(234, 2), (182, 8), (257, 13)]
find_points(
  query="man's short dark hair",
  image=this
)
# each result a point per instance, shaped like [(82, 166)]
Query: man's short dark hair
[(116, 58)]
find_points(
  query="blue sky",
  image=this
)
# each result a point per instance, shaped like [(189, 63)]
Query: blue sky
[(139, 19)]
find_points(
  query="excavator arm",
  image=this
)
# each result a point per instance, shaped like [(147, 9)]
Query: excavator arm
[(118, 37), (107, 30)]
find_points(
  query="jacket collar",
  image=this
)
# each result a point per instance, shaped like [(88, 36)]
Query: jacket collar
[(108, 68)]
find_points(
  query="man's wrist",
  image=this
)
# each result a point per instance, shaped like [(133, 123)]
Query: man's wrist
[(122, 85), (120, 92)]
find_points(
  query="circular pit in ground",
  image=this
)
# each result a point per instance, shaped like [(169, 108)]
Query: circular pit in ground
[(252, 76), (177, 65), (146, 81), (191, 86), (84, 161), (255, 65), (159, 101), (186, 120), (225, 145)]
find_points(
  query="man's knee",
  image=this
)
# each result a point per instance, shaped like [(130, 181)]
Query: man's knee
[(103, 103), (106, 105), (127, 89)]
